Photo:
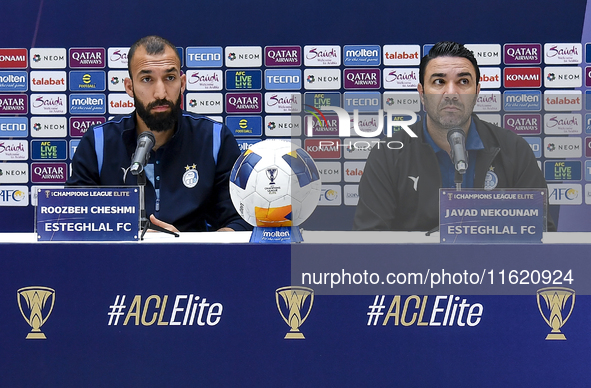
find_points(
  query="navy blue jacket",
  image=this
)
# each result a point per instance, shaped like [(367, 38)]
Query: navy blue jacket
[(188, 176)]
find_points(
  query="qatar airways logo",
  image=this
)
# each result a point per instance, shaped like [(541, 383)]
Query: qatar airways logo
[(49, 104), (563, 53), (522, 54), (322, 55), (79, 125), (244, 102), (284, 102), (87, 58), (204, 80), (276, 56), (401, 78), (118, 57), (523, 124), (13, 104), (362, 78)]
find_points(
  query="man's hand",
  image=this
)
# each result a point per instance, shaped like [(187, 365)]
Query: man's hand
[(225, 229), (162, 224)]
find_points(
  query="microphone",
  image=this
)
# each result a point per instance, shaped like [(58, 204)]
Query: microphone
[(145, 142), (457, 140)]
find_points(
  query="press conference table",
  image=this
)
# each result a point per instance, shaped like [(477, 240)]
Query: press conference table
[(201, 310)]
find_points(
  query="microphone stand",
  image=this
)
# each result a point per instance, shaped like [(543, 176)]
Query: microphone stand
[(144, 220)]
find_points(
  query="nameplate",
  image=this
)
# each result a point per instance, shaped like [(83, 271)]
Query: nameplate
[(495, 216), (88, 214)]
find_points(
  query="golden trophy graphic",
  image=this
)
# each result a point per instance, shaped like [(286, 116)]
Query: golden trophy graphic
[(556, 299), (36, 298), (294, 298)]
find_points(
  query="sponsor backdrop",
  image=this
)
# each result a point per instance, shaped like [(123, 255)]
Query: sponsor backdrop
[(263, 70), (216, 316)]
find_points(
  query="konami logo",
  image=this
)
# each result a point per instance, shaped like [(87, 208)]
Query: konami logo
[(323, 148), (522, 77), (13, 58)]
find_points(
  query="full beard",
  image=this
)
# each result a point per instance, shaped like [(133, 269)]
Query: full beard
[(161, 121)]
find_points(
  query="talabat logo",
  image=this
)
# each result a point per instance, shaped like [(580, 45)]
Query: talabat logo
[(88, 104), (523, 124), (14, 196), (563, 77), (244, 56), (13, 104), (522, 100), (486, 54), (359, 55), (488, 101), (204, 80), (14, 81), (83, 81), (563, 123), (244, 79), (563, 100), (562, 170), (353, 171), (48, 126), (14, 150), (120, 103), (48, 104), (330, 195), (283, 56), (79, 125), (283, 79), (205, 102), (116, 79), (402, 55), (48, 58), (490, 77), (14, 173), (49, 150), (563, 53), (13, 58), (322, 79), (48, 81), (118, 57), (401, 78), (330, 172), (14, 127), (48, 172), (322, 55), (565, 194), (88, 58), (522, 77), (522, 54), (245, 126), (283, 102), (563, 147), (244, 102), (204, 57), (283, 125), (362, 78)]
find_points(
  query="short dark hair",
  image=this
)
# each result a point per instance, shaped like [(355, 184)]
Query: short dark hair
[(153, 44), (448, 49)]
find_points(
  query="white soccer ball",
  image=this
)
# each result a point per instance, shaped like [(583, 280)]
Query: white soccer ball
[(275, 183)]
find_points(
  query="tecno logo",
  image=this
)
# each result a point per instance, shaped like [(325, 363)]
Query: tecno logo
[(522, 77)]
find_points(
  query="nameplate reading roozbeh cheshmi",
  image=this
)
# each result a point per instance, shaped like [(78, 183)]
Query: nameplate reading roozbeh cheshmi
[(88, 214), (492, 216)]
